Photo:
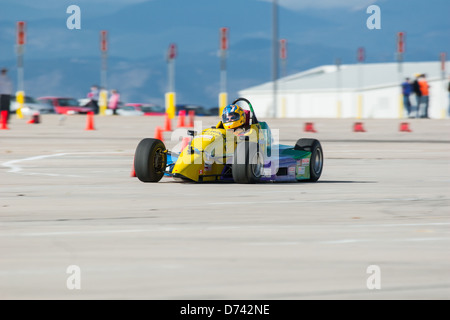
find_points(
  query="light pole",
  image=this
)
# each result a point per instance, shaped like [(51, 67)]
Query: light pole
[(400, 51), (170, 97), (338, 86), (103, 95), (283, 57), (443, 56), (223, 46), (275, 55), (20, 95), (361, 58)]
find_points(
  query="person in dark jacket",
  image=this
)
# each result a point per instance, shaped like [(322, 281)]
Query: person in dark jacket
[(418, 93), (94, 96), (406, 91)]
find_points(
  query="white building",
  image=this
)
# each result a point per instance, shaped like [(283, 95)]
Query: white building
[(352, 91)]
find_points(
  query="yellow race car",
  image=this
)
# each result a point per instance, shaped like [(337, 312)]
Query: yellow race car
[(217, 154)]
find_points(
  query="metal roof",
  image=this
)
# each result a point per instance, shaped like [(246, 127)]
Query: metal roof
[(354, 76)]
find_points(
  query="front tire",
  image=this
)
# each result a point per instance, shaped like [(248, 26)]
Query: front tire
[(248, 163), (316, 161), (150, 160)]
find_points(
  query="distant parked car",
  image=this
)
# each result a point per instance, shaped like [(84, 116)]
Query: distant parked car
[(214, 111), (199, 110), (125, 110), (149, 109), (64, 105), (83, 102), (31, 106)]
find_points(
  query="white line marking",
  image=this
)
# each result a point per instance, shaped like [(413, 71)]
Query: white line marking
[(228, 228), (307, 226), (327, 201), (15, 168), (274, 243), (68, 233), (344, 241)]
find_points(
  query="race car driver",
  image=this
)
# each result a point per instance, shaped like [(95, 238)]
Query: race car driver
[(233, 119)]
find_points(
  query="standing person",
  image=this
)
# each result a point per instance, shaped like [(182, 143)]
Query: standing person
[(113, 102), (418, 93), (93, 95), (406, 91), (6, 89), (425, 100)]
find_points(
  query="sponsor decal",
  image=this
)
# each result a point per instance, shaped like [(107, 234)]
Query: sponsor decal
[(305, 162), (267, 172), (291, 171), (300, 170), (213, 133), (200, 172)]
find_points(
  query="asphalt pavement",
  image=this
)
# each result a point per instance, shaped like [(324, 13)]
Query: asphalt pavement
[(74, 223)]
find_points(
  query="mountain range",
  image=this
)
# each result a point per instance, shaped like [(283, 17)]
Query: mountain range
[(64, 62)]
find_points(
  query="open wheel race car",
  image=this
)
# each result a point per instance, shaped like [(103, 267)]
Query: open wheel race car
[(219, 155)]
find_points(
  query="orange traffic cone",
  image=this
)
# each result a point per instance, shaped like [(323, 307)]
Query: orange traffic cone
[(90, 121), (358, 127), (181, 116), (168, 124), (404, 127), (4, 120), (159, 133), (309, 127), (191, 118), (133, 172)]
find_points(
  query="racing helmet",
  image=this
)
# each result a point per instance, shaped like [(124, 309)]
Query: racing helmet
[(233, 116)]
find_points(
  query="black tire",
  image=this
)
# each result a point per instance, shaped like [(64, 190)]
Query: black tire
[(247, 163), (316, 162), (150, 160)]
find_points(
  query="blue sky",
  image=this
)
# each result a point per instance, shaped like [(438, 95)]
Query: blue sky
[(65, 62)]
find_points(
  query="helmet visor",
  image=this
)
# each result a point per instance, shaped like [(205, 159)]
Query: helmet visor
[(230, 117)]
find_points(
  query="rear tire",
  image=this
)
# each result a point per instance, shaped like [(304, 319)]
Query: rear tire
[(150, 160), (316, 162), (248, 163)]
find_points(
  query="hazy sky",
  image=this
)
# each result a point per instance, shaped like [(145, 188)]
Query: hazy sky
[(64, 61)]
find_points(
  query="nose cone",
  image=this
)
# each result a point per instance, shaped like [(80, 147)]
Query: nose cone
[(189, 165)]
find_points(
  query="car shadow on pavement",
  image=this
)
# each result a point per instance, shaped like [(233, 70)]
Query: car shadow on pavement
[(267, 182), (344, 181)]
